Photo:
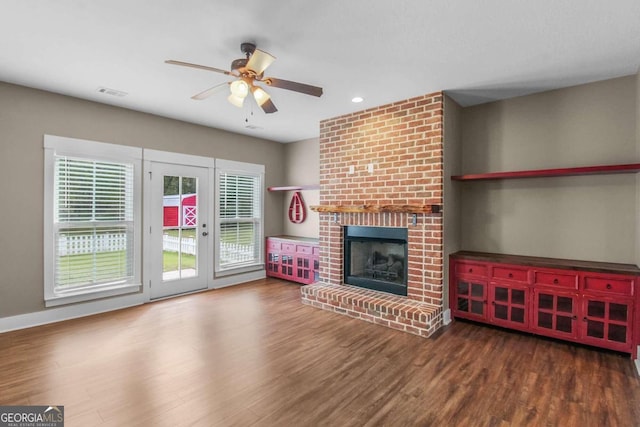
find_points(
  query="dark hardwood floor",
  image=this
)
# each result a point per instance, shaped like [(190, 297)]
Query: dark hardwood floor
[(254, 355)]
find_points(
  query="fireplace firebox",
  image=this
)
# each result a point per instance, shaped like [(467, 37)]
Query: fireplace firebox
[(376, 258)]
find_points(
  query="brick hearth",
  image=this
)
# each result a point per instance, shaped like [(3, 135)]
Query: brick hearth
[(403, 142), (381, 308)]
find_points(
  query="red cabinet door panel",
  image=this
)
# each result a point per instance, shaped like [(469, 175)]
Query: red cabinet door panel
[(607, 322), (470, 300), (555, 313), (509, 305)]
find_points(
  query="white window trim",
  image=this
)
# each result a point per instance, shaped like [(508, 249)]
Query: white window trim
[(56, 145), (241, 168)]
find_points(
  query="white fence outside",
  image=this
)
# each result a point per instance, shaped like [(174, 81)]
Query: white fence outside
[(85, 244), (235, 252), (172, 244), (229, 252)]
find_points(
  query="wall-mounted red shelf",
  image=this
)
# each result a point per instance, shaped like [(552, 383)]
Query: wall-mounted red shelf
[(540, 173), (295, 188)]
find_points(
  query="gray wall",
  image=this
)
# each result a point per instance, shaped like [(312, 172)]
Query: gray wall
[(451, 191), (27, 114), (584, 217), (303, 168)]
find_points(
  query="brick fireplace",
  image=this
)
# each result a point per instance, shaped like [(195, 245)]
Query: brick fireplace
[(376, 167)]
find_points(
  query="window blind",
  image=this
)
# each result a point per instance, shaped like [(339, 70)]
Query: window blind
[(240, 219), (93, 223)]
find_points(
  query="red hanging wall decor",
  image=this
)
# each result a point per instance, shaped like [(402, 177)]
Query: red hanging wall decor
[(297, 209)]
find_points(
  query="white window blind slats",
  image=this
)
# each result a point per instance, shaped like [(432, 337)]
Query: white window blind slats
[(240, 219), (92, 190), (93, 223), (239, 196)]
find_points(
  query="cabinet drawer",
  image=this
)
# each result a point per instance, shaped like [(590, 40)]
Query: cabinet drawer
[(510, 273), (471, 268), (550, 278), (302, 249), (273, 244), (614, 286), (288, 247)]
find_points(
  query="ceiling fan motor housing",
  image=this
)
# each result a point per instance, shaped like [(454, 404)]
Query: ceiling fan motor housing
[(240, 64), (237, 64), (247, 48)]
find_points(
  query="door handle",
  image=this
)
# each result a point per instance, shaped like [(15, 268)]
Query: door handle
[(205, 233)]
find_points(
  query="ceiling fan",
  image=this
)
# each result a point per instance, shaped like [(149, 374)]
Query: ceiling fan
[(247, 72)]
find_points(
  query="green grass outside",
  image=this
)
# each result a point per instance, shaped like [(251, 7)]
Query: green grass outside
[(78, 269), (75, 270), (170, 261)]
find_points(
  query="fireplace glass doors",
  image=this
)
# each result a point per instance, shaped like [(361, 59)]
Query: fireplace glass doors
[(376, 258)]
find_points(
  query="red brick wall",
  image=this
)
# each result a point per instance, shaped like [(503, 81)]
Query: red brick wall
[(403, 141)]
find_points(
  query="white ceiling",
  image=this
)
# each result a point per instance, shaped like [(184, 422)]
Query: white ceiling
[(385, 51)]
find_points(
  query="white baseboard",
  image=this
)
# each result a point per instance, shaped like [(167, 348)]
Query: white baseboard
[(52, 315), (446, 316), (237, 279)]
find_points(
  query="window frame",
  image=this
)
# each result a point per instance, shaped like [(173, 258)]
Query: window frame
[(92, 151), (247, 169)]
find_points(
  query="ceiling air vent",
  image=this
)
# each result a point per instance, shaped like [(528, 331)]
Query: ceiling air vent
[(112, 92)]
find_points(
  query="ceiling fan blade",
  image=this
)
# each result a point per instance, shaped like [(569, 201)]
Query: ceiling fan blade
[(201, 67), (259, 61), (294, 86), (212, 90), (268, 107)]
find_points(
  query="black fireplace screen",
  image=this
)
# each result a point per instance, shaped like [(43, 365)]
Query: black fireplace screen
[(376, 258)]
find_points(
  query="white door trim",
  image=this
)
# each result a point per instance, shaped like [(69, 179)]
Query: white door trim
[(153, 156), (178, 158)]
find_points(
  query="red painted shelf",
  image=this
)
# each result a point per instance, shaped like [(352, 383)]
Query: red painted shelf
[(295, 188), (539, 173)]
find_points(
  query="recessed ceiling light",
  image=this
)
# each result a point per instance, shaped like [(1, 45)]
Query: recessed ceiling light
[(357, 99)]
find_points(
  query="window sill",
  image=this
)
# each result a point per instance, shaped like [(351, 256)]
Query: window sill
[(88, 295)]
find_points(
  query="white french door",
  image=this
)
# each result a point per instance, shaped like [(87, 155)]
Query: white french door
[(179, 229)]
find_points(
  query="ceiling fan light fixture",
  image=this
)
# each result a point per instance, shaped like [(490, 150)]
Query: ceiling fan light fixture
[(236, 100), (245, 72), (239, 88), (260, 95)]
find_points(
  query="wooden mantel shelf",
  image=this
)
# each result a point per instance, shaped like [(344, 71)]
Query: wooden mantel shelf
[(539, 173), (423, 209)]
